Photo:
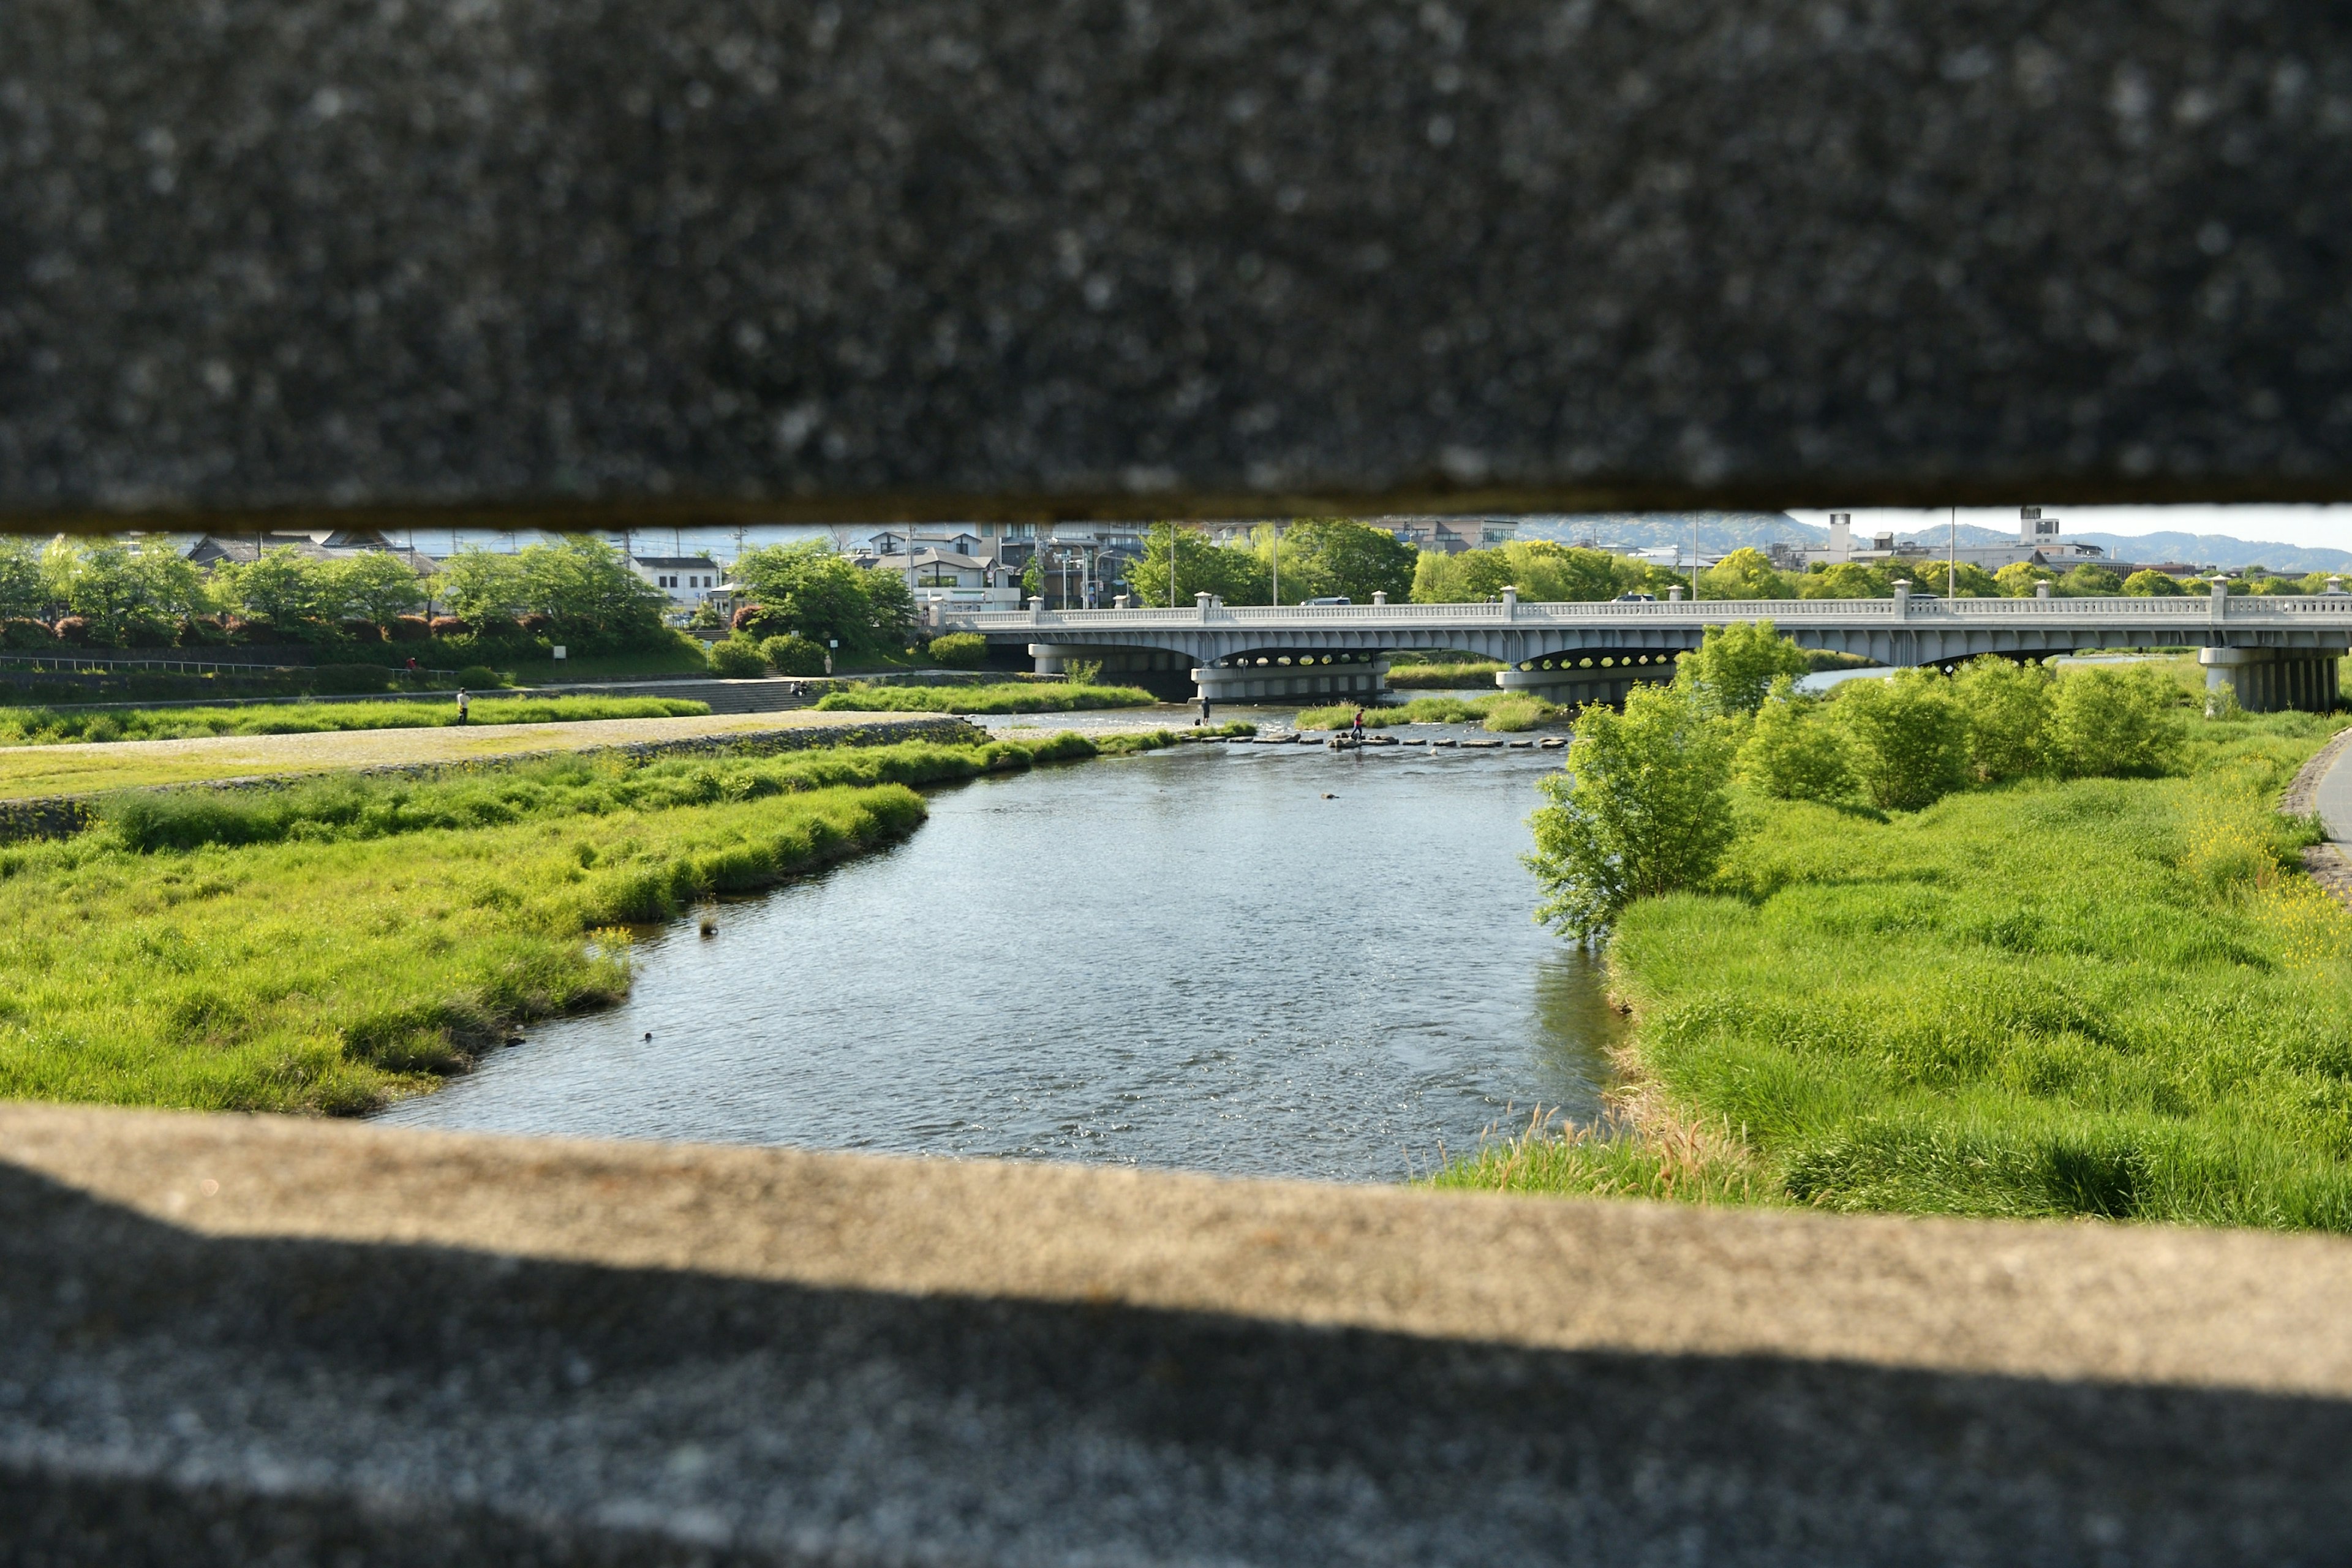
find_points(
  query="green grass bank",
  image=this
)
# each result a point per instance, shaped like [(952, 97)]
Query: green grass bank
[(329, 946), (39, 726), (1504, 711), (2109, 997), (1012, 697)]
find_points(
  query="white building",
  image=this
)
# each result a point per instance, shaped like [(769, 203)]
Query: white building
[(2037, 544), (686, 579)]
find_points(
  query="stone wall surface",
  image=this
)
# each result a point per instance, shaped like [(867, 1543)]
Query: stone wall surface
[(233, 1339), (951, 256)]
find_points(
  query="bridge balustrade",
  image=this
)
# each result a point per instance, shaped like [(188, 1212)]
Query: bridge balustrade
[(1544, 645)]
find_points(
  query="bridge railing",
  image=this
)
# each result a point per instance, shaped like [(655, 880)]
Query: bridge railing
[(2248, 609)]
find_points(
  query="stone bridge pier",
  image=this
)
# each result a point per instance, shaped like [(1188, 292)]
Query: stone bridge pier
[(2268, 679)]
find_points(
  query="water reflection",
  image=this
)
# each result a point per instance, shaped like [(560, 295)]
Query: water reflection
[(1260, 960)]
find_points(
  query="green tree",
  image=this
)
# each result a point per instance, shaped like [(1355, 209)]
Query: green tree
[(481, 586), (889, 608), (824, 596), (122, 590), (2112, 724), (2089, 581), (2145, 583), (1791, 753), (23, 595), (1909, 738), (280, 587), (374, 585), (1547, 572), (1641, 808), (1328, 557), (2008, 708), (2016, 579), (1976, 583), (1235, 573), (1745, 574), (1466, 577), (169, 582), (1733, 666), (590, 591), (1846, 580)]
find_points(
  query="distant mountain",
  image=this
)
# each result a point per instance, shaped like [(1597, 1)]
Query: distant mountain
[(1971, 536), (1724, 531), (2217, 550), (1718, 531)]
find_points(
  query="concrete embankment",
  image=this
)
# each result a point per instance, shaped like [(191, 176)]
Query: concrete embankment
[(46, 791), (233, 1339)]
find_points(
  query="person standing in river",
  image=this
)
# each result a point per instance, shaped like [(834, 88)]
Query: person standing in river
[(1204, 709), (1356, 729)]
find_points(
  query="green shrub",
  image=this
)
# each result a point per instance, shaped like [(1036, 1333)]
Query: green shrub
[(2008, 707), (1733, 666), (2113, 723), (738, 659), (959, 650), (340, 679), (1009, 697), (476, 676), (1908, 738), (1792, 752), (1639, 809), (792, 654)]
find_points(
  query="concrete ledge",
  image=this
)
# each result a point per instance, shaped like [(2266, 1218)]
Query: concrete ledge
[(224, 1338), (693, 259)]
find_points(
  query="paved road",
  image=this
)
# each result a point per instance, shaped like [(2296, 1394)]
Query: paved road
[(2334, 798)]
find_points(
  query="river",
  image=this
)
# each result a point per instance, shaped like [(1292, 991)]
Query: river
[(1251, 960)]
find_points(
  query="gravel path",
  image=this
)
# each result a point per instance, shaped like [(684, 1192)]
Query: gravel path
[(79, 769)]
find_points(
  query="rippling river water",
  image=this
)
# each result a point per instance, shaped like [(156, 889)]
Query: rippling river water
[(1192, 958)]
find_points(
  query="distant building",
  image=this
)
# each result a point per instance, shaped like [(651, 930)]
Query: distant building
[(233, 548), (686, 579), (2037, 544)]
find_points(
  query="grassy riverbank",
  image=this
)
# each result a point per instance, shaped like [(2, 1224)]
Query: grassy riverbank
[(322, 947), (2116, 997), (1012, 697), (46, 727), (1504, 711), (1443, 676)]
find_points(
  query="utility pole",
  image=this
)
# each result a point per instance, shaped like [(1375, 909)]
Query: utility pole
[(1171, 563), (1952, 567), (1693, 560), (1278, 565)]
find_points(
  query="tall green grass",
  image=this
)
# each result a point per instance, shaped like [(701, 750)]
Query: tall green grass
[(2107, 997), (41, 726), (1012, 697), (322, 947), (1503, 711)]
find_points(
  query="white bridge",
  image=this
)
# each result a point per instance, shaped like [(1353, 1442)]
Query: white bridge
[(2275, 652)]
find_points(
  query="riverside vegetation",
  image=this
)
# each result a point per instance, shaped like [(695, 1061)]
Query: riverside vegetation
[(328, 945), (2013, 943), (1010, 697), (43, 727), (1504, 711)]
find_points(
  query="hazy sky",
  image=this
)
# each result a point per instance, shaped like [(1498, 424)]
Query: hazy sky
[(2313, 526)]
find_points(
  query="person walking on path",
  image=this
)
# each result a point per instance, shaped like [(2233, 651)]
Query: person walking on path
[(465, 704)]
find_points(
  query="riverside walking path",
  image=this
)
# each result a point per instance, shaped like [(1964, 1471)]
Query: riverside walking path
[(88, 767)]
